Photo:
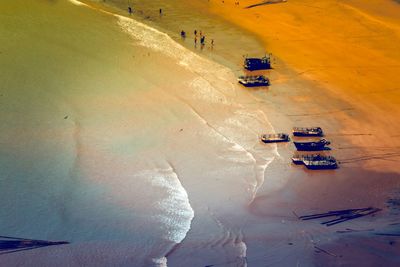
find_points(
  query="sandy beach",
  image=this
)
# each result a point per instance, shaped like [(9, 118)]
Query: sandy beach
[(139, 148), (348, 48)]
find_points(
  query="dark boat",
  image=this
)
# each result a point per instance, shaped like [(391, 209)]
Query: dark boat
[(307, 131), (320, 164), (300, 158), (311, 146), (274, 138), (263, 63), (252, 81)]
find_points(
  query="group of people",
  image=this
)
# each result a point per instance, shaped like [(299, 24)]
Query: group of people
[(183, 33), (202, 38)]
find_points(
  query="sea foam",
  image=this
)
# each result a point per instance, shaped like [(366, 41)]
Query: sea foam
[(209, 72)]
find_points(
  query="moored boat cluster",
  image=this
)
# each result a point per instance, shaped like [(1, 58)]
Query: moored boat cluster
[(311, 161), (253, 64)]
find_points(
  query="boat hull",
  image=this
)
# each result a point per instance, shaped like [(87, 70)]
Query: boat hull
[(321, 167), (257, 64), (275, 138), (307, 134), (275, 141), (309, 147), (259, 84), (309, 131), (253, 67)]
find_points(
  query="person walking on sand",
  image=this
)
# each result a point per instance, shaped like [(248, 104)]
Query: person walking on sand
[(130, 10), (195, 32), (160, 11), (195, 41), (183, 34)]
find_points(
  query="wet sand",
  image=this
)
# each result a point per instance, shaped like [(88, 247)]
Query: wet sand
[(110, 125), (201, 130)]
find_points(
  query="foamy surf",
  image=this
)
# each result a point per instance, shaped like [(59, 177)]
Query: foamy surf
[(212, 85), (176, 213), (172, 209), (75, 2), (205, 90), (161, 42)]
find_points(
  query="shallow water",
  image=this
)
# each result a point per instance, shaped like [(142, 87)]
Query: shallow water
[(120, 140), (230, 43)]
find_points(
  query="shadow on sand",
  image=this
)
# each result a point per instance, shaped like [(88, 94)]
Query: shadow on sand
[(15, 244), (267, 3)]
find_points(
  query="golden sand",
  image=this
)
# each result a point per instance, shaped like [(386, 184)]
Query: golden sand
[(350, 48)]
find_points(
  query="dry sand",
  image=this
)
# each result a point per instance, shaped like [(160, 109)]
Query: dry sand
[(347, 47), (337, 65)]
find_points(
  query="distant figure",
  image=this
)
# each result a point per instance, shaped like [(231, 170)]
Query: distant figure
[(195, 32), (201, 33), (212, 42), (160, 11), (130, 10), (202, 40), (183, 34), (195, 40)]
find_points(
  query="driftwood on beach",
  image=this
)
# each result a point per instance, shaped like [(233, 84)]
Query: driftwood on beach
[(341, 215)]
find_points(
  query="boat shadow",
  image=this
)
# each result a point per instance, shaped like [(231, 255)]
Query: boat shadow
[(313, 150), (14, 244)]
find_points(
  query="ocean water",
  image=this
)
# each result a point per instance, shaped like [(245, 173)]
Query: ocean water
[(119, 139)]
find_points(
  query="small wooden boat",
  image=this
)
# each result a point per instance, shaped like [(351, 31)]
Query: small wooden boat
[(300, 158), (263, 63), (275, 138), (253, 81), (312, 146), (320, 164), (308, 131)]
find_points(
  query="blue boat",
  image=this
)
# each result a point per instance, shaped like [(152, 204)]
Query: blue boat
[(263, 63), (312, 146)]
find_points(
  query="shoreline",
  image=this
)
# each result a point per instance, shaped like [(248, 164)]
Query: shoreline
[(346, 133), (341, 107), (224, 52), (125, 131), (361, 71), (244, 214)]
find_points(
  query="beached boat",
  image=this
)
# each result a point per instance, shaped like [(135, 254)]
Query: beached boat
[(274, 138), (300, 158), (320, 164), (263, 63), (253, 81), (312, 146), (308, 131)]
